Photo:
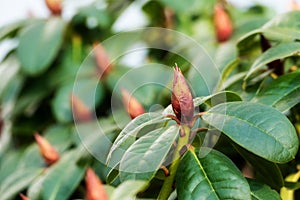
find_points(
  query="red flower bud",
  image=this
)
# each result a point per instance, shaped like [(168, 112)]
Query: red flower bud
[(47, 151), (133, 107), (94, 186), (81, 112), (182, 99), (55, 6), (102, 60), (222, 23), (23, 197)]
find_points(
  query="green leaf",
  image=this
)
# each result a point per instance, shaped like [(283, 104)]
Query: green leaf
[(213, 176), (258, 128), (145, 156), (8, 71), (265, 171), (279, 51), (39, 44), (260, 191), (128, 135), (57, 182), (217, 98), (284, 27), (128, 190), (282, 93), (17, 182)]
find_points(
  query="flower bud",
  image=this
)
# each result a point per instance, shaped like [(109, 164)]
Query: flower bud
[(133, 107), (182, 99), (47, 151), (102, 60), (81, 112), (55, 6), (294, 5), (94, 187), (222, 23), (23, 197)]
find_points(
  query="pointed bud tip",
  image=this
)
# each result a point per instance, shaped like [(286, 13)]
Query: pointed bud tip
[(23, 197), (133, 107), (47, 151), (55, 6), (94, 187), (81, 112)]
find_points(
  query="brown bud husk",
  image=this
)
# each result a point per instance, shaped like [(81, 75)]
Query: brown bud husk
[(55, 6), (80, 111), (222, 23), (133, 107), (182, 99), (94, 186), (102, 60), (47, 151), (23, 197)]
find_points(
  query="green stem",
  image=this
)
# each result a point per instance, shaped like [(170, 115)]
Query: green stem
[(167, 188)]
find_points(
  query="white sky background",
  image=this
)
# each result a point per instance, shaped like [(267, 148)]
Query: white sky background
[(14, 10)]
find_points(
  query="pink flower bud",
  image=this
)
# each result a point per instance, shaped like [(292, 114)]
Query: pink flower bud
[(102, 60), (23, 197)]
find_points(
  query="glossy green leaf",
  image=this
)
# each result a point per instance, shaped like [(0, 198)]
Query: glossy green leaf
[(129, 133), (128, 190), (260, 191), (17, 182), (258, 128), (279, 51), (217, 98), (265, 171), (39, 44), (60, 180), (284, 27), (213, 176), (145, 156), (283, 93)]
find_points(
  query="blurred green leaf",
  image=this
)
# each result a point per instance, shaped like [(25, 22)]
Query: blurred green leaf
[(17, 182), (39, 44)]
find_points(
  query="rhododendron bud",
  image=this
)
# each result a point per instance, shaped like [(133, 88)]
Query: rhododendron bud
[(81, 112), (23, 197), (55, 6), (47, 151), (182, 99), (133, 107), (222, 23), (94, 187), (102, 60)]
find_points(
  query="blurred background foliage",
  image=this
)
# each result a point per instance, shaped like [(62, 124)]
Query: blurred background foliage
[(37, 80)]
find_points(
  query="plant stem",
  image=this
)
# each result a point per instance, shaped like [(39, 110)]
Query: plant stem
[(167, 188)]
